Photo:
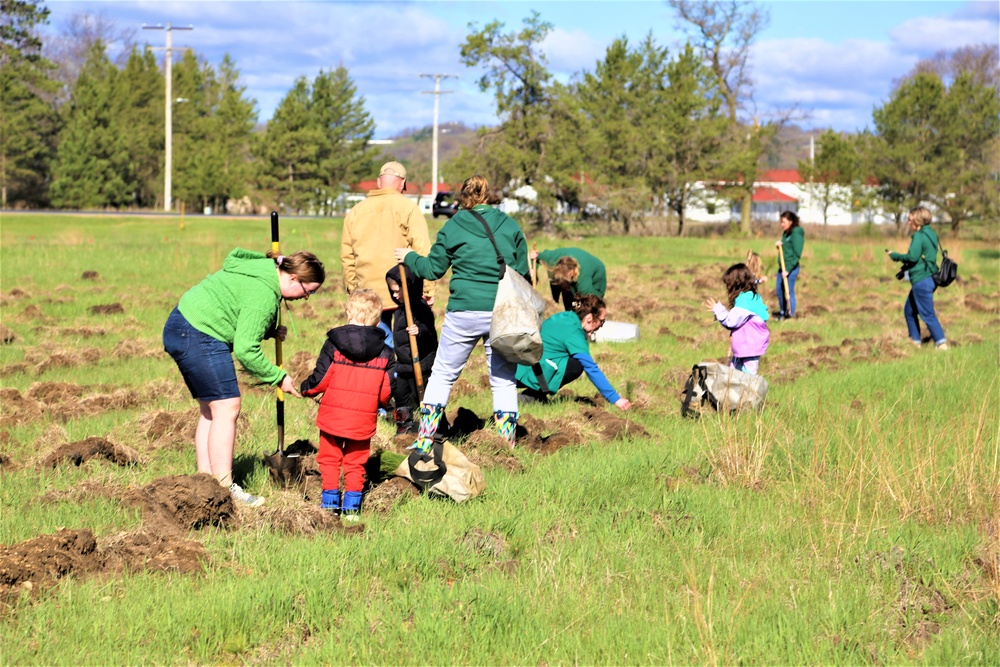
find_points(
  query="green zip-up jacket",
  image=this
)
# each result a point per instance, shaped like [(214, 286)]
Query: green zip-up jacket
[(792, 243), (921, 258), (593, 276), (238, 306), (463, 245)]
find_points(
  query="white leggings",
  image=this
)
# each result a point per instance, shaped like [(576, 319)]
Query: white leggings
[(462, 330)]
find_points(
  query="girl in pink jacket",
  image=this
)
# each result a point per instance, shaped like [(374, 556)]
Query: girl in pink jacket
[(746, 318)]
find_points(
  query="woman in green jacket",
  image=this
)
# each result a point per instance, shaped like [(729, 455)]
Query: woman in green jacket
[(573, 271), (464, 246), (566, 355), (920, 264), (793, 239), (229, 313)]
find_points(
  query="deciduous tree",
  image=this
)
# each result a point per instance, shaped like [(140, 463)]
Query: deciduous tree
[(828, 178)]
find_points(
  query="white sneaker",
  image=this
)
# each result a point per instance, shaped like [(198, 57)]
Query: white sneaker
[(943, 347), (244, 497), (351, 518)]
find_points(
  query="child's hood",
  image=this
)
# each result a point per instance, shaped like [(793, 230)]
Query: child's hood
[(358, 343), (752, 302), (252, 264), (414, 284)]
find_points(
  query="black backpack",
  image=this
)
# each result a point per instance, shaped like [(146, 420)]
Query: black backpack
[(948, 270)]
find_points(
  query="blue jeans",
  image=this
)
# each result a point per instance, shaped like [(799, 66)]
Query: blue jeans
[(779, 289), (206, 363), (920, 302)]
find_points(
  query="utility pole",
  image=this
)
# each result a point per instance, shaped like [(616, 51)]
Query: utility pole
[(437, 93), (168, 167)]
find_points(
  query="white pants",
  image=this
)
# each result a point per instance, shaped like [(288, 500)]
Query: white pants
[(459, 335)]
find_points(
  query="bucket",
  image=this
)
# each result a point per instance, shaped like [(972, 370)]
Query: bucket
[(617, 332)]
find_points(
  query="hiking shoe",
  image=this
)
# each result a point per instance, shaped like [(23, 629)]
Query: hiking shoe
[(943, 347), (246, 498)]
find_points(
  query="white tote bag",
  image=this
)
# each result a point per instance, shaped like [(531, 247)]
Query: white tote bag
[(516, 329)]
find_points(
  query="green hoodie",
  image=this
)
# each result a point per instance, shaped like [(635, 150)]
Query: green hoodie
[(463, 245), (792, 243), (238, 306), (921, 258)]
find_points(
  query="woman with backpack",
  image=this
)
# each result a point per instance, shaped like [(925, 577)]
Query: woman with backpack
[(464, 245), (920, 264)]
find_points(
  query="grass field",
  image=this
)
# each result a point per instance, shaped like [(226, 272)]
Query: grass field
[(855, 520)]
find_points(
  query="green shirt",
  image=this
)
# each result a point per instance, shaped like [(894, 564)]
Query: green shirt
[(921, 258), (593, 276), (792, 243), (239, 306), (562, 337), (463, 245)]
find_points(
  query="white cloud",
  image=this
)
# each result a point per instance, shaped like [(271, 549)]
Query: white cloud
[(569, 51), (928, 34)]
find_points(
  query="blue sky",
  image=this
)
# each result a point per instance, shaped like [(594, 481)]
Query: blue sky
[(833, 61)]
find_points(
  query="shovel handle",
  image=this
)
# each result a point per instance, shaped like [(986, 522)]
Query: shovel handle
[(418, 374), (278, 394)]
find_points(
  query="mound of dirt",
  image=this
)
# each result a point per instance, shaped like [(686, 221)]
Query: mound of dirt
[(93, 447), (39, 563), (301, 364), (14, 369), (6, 335), (33, 312), (463, 387), (17, 409), (90, 275), (128, 349), (54, 392), (184, 502), (107, 309), (383, 498)]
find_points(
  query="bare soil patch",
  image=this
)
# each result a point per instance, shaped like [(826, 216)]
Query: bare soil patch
[(107, 309), (93, 447), (90, 275), (301, 365), (166, 429), (6, 335), (302, 519)]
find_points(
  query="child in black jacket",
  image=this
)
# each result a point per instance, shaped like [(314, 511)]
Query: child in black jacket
[(404, 387)]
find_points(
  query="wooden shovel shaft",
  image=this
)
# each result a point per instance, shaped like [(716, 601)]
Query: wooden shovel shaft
[(533, 265), (417, 373), (279, 395), (784, 282)]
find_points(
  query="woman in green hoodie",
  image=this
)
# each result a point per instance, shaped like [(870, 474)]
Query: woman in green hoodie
[(464, 245), (229, 313), (920, 264)]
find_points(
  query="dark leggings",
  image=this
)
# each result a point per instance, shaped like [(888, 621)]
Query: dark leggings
[(567, 298), (574, 369)]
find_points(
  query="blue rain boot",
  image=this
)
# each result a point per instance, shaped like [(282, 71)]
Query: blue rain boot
[(351, 512), (331, 501)]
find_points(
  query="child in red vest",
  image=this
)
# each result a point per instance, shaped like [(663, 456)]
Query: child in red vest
[(352, 372)]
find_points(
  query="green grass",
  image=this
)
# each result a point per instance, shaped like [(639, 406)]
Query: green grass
[(853, 521)]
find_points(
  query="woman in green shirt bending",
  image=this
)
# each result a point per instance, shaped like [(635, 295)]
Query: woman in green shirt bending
[(229, 313)]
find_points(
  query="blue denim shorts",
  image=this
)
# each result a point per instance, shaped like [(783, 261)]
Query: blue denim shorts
[(206, 363)]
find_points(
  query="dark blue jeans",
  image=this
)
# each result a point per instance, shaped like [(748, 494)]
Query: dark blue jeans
[(920, 306), (779, 288), (205, 362)]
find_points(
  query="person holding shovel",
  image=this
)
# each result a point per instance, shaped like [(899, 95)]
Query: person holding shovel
[(573, 271), (566, 355), (405, 391), (230, 313), (793, 239), (464, 245)]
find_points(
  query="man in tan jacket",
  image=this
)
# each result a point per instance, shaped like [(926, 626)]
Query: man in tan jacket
[(385, 220)]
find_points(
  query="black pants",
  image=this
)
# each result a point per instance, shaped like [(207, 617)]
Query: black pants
[(566, 295), (406, 394), (574, 369)]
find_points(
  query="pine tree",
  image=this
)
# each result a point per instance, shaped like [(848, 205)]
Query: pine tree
[(140, 91), (233, 121), (92, 169), (28, 124)]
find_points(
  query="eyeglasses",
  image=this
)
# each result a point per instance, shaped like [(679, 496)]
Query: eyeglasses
[(306, 293)]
